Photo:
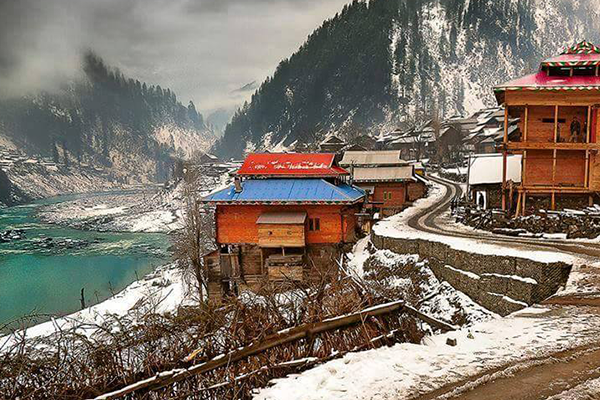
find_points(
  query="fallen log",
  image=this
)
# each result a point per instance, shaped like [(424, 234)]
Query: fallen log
[(285, 336)]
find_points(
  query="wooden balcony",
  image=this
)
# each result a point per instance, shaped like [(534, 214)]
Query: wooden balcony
[(551, 146), (533, 189)]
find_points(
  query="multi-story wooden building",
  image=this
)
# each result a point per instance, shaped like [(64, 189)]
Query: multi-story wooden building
[(286, 218), (389, 181), (557, 112)]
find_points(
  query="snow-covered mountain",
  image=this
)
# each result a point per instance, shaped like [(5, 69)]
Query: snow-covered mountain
[(380, 62)]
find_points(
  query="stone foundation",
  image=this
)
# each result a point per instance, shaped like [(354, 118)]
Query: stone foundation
[(502, 284)]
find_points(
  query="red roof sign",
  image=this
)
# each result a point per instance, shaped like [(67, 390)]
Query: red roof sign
[(291, 164)]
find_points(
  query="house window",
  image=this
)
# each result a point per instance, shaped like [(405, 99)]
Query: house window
[(314, 224), (387, 195)]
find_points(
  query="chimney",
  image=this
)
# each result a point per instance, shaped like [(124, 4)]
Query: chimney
[(238, 184)]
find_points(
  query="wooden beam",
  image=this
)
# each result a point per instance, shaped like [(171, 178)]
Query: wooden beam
[(518, 211), (557, 189), (555, 124), (589, 124), (524, 202), (587, 170), (553, 201), (526, 124), (506, 124), (504, 159), (523, 168), (554, 167), (550, 146)]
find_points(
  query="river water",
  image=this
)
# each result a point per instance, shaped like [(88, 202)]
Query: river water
[(44, 272)]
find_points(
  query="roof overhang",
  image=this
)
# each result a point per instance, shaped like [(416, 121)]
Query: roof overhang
[(282, 218), (281, 203)]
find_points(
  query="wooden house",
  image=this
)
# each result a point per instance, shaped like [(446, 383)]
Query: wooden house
[(207, 158), (286, 219), (332, 144), (449, 143), (389, 181), (557, 109)]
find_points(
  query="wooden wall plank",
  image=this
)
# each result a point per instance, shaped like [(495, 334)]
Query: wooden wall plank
[(280, 235), (237, 223)]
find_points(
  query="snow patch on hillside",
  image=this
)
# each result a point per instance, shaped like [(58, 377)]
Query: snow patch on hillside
[(185, 142)]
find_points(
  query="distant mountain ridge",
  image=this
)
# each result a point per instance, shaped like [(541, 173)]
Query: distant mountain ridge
[(381, 62), (131, 129)]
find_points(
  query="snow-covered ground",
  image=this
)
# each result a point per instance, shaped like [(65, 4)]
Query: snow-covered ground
[(387, 274), (133, 211), (404, 370), (147, 210), (397, 227)]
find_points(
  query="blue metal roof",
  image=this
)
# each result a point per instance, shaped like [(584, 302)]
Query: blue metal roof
[(288, 191)]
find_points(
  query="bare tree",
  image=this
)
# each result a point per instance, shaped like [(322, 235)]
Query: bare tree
[(195, 239)]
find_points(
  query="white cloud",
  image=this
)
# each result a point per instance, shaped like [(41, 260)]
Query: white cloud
[(202, 49)]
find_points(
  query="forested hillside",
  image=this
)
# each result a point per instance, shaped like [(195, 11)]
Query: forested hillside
[(382, 62), (108, 120)]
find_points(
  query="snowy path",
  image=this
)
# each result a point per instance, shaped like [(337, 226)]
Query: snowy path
[(547, 351), (407, 371)]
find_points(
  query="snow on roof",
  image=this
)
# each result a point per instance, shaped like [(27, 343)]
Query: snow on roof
[(291, 164), (381, 157), (383, 174), (487, 169)]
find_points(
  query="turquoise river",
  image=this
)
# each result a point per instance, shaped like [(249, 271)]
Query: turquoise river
[(44, 272)]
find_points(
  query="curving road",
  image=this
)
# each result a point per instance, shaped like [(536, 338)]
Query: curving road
[(566, 374), (427, 220)]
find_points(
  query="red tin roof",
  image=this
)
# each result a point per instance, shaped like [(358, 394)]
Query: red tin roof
[(291, 164), (541, 81), (572, 60), (582, 54)]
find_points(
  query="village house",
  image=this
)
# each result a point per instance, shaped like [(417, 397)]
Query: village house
[(557, 113), (484, 178), (287, 218), (449, 143), (389, 181), (332, 144)]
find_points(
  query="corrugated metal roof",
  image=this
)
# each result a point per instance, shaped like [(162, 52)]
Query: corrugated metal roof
[(383, 174), (383, 157), (487, 169), (290, 191), (283, 218), (291, 164)]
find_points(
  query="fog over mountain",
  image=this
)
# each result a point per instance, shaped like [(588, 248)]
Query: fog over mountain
[(202, 49)]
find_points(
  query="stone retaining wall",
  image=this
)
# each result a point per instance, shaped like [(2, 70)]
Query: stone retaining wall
[(502, 284)]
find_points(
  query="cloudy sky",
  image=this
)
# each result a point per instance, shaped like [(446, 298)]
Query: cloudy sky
[(202, 49)]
